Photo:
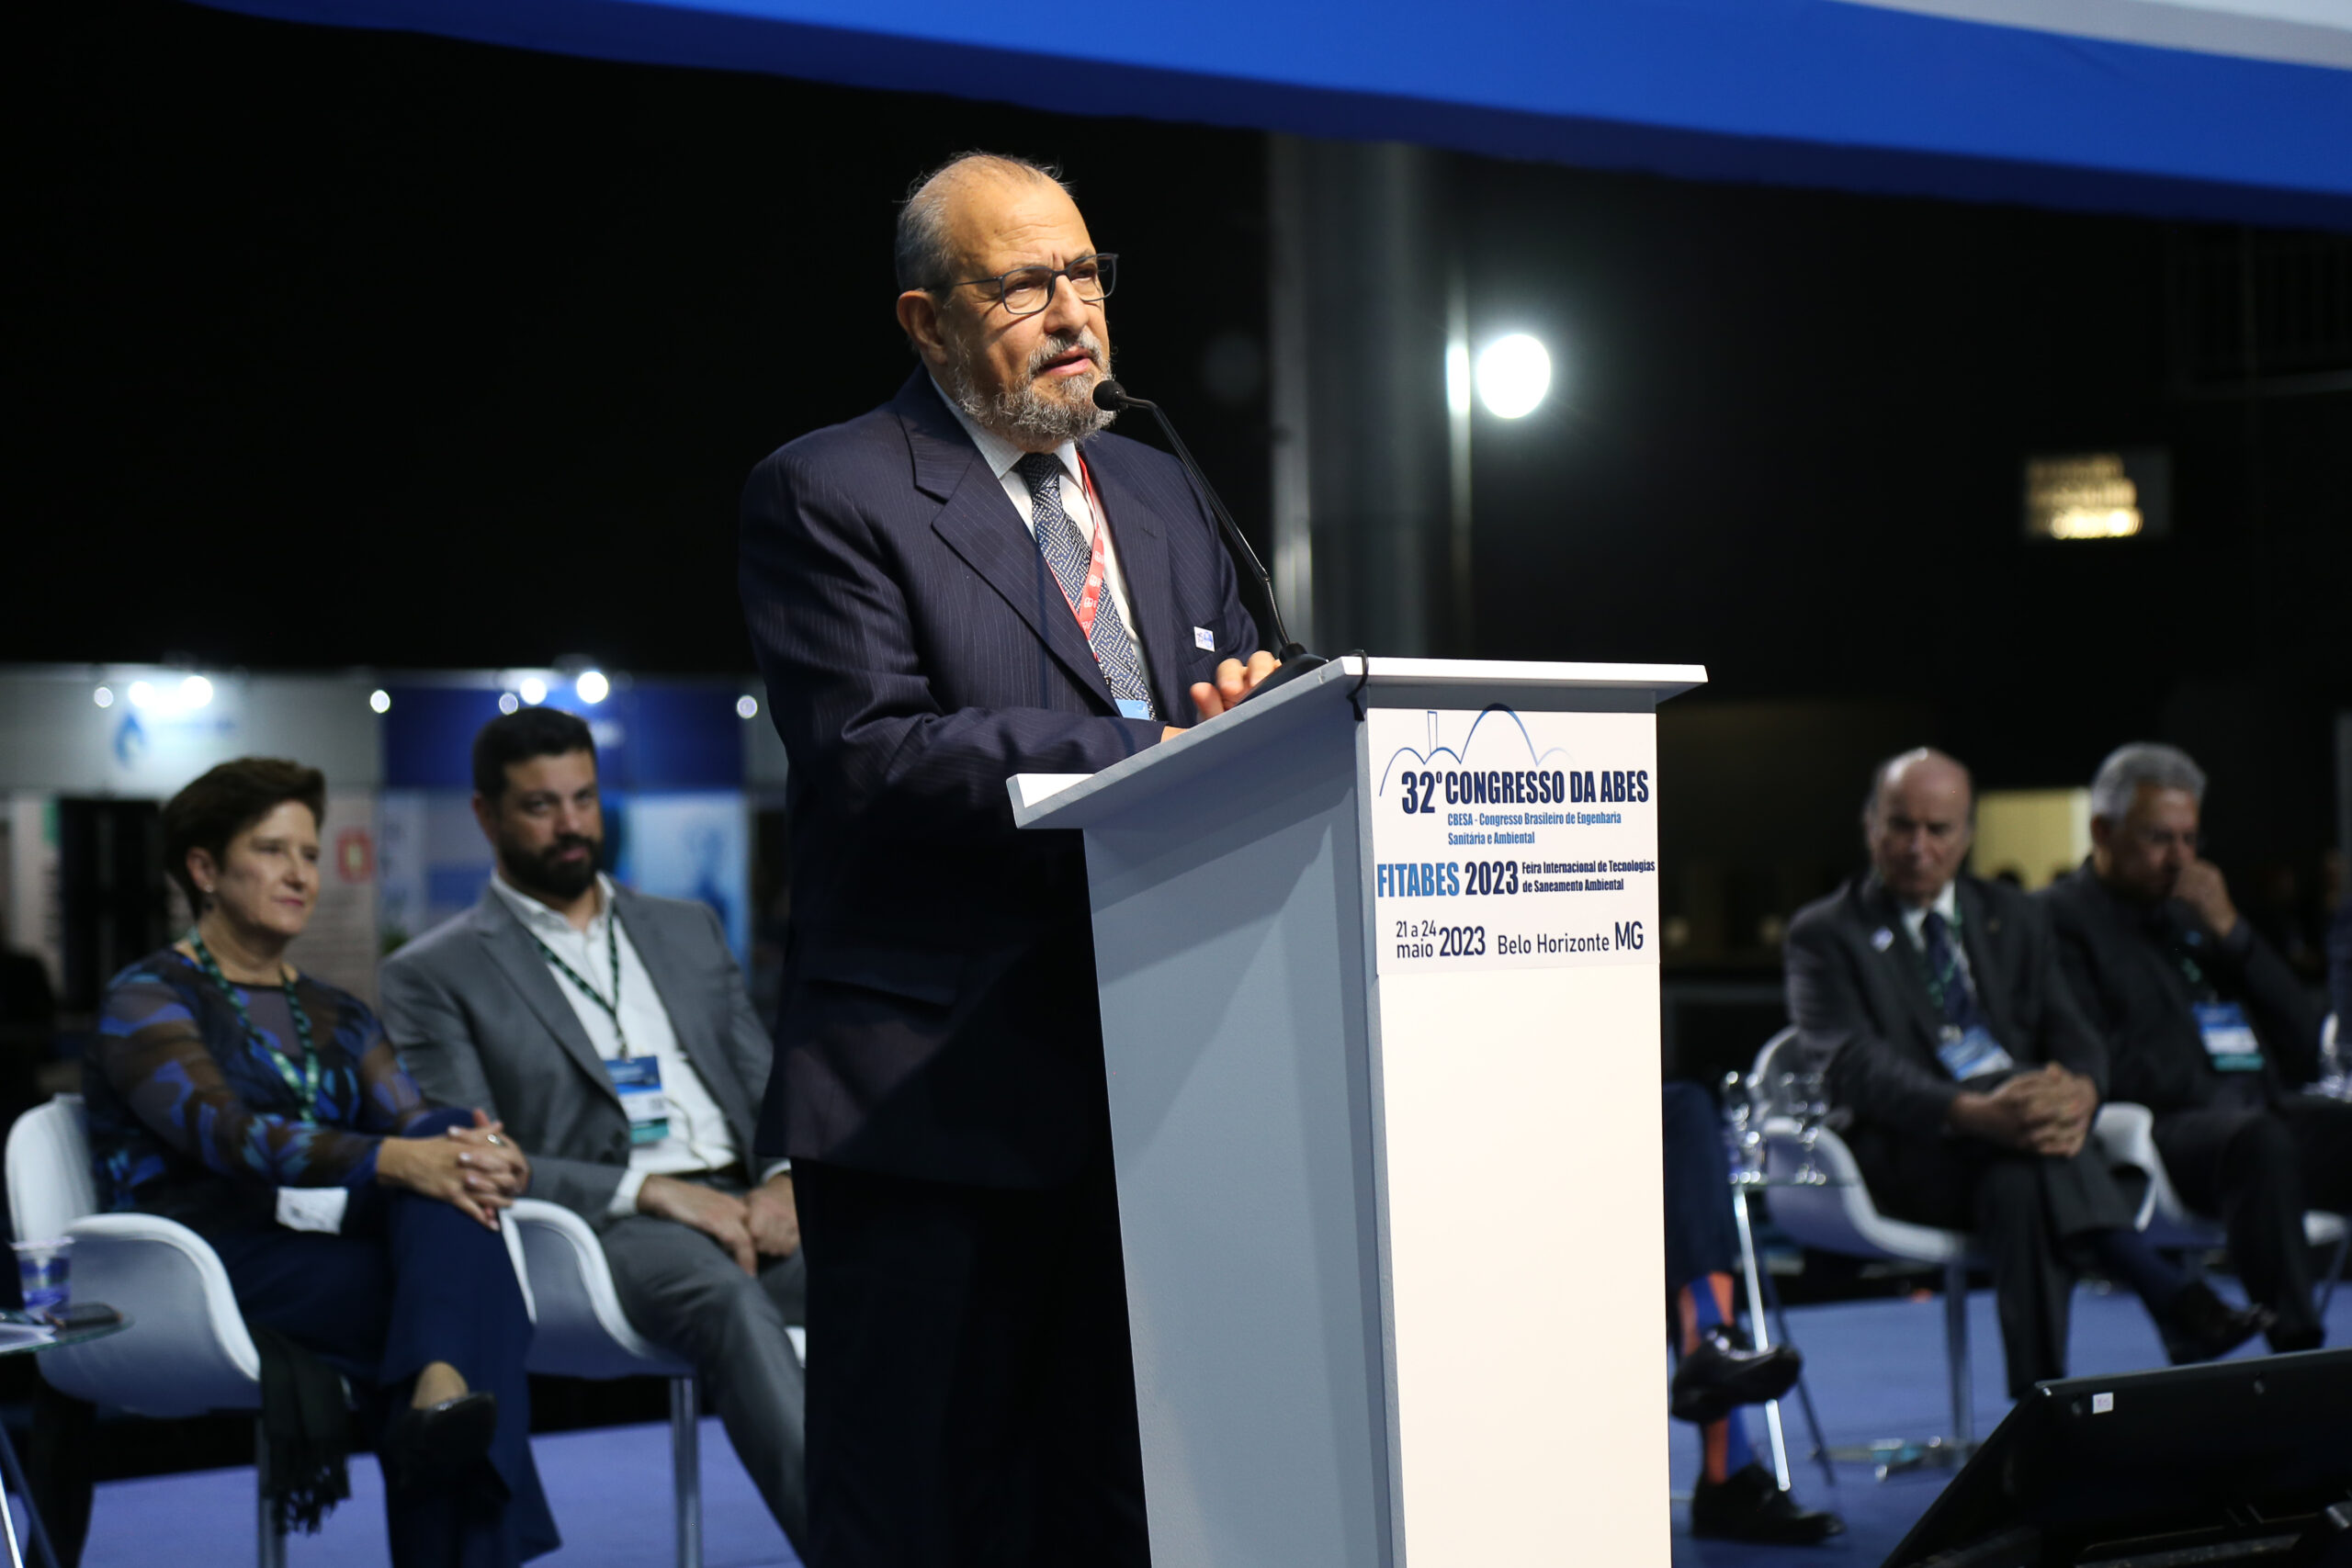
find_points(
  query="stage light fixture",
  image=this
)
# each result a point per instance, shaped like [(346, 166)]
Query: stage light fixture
[(380, 700), (103, 697), (591, 686), (532, 690), (747, 707), (508, 702), (1513, 373)]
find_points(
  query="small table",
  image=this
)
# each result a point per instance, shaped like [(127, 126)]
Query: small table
[(15, 1340)]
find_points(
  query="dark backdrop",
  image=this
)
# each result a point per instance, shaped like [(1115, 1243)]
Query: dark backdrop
[(334, 347)]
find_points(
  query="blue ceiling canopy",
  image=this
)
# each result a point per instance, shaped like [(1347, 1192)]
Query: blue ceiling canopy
[(2236, 110)]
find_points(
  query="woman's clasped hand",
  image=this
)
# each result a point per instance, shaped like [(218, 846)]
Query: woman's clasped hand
[(475, 1169)]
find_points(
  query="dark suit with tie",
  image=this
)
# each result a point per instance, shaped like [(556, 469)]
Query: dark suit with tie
[(1859, 996), (939, 1081), (2240, 1144)]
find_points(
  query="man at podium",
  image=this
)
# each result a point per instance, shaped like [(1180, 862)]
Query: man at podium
[(969, 582)]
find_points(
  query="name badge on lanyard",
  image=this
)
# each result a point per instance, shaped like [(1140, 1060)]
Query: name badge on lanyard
[(637, 1080), (2230, 1044), (1972, 1055)]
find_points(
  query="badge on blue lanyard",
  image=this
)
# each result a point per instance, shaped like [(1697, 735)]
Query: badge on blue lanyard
[(1133, 708), (1973, 1054), (638, 1080), (2230, 1044)]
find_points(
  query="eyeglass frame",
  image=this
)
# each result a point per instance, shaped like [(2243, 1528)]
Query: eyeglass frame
[(1052, 274)]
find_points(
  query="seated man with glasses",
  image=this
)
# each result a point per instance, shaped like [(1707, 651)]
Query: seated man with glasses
[(969, 582)]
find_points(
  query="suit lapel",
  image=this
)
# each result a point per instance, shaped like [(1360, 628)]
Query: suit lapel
[(978, 523), (670, 984), (1151, 581), (1988, 947), (1901, 959), (512, 949)]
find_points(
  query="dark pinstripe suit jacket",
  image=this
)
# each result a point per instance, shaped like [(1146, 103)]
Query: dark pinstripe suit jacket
[(940, 1020)]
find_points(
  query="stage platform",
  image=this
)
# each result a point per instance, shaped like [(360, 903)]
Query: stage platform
[(1875, 1369)]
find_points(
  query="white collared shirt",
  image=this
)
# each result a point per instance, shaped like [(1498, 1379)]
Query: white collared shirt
[(1000, 455), (699, 1139)]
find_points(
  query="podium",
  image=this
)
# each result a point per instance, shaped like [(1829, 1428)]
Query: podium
[(1378, 962)]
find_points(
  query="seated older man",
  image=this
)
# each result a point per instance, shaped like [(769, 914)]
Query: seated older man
[(1932, 999), (2206, 1026)]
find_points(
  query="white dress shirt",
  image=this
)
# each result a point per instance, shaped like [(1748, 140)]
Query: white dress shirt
[(1000, 455), (699, 1139)]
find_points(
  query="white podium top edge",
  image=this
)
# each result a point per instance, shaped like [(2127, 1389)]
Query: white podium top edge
[(1062, 800)]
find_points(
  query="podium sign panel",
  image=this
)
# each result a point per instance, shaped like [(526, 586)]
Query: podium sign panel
[(1503, 840), (1391, 1219)]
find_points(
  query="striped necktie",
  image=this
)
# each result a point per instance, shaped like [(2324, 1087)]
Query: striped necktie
[(1072, 559)]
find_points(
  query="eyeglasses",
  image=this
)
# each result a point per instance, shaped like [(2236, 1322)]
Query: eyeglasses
[(1025, 291)]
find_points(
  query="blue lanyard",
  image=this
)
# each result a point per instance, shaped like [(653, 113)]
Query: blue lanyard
[(306, 1083)]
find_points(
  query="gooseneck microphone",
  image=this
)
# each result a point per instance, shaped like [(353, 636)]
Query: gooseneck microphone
[(1111, 397)]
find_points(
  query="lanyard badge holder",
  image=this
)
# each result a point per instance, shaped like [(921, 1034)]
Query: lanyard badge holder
[(1970, 1053), (637, 1080), (298, 1208), (2230, 1042)]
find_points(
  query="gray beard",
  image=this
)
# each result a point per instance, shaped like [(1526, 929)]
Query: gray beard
[(1026, 416)]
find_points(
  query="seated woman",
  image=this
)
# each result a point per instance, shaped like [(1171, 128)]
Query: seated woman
[(250, 1103)]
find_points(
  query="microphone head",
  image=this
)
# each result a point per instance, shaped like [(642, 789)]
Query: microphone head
[(1109, 396)]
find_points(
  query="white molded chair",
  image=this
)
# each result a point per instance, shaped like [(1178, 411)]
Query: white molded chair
[(1839, 1217), (186, 1352), (2127, 1137), (582, 1333)]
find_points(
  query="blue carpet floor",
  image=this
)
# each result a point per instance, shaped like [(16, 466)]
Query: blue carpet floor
[(1875, 1370)]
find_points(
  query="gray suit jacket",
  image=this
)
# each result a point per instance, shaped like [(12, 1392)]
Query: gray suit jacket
[(481, 1022)]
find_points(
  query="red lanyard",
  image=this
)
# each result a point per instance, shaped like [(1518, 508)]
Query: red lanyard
[(1089, 600)]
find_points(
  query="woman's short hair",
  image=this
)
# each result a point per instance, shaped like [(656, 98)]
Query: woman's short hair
[(225, 802)]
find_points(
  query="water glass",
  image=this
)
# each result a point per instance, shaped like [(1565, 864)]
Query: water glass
[(45, 1270)]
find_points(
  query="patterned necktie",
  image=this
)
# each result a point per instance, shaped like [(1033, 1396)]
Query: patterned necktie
[(1072, 558), (1953, 991)]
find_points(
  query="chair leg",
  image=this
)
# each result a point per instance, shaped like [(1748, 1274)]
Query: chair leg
[(2336, 1267), (686, 1463), (270, 1542), (1964, 1404)]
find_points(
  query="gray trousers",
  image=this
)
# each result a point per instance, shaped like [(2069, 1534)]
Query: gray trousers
[(681, 1289)]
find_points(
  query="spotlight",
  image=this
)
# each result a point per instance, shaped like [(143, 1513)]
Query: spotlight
[(103, 697), (591, 686), (1513, 375), (533, 690), (141, 695), (507, 703), (194, 692), (380, 700), (747, 707)]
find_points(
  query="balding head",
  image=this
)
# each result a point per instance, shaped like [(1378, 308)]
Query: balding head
[(1919, 822), (926, 249)]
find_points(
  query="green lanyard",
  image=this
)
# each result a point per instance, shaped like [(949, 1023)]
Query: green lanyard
[(306, 1083), (613, 954)]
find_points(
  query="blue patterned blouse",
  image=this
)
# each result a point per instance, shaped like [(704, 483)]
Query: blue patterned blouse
[(191, 1118)]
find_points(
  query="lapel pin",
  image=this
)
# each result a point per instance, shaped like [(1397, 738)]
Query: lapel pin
[(1882, 939), (1204, 638), (1992, 928)]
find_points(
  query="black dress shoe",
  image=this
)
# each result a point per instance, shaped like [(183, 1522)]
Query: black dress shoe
[(1722, 1374), (1746, 1505), (2201, 1327), (431, 1443)]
